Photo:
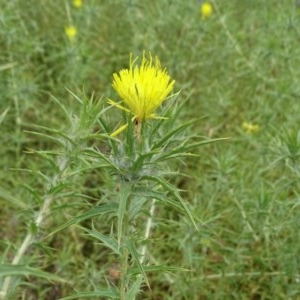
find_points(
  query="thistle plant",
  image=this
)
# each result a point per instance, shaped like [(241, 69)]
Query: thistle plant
[(140, 151), (136, 158), (65, 162)]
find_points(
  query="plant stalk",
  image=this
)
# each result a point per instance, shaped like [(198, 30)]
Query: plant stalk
[(123, 234), (149, 225), (29, 239), (62, 163)]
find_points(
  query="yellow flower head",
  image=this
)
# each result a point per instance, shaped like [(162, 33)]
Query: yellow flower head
[(250, 128), (71, 32), (206, 10), (77, 3), (143, 88)]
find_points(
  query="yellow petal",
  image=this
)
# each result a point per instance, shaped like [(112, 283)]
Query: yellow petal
[(119, 130)]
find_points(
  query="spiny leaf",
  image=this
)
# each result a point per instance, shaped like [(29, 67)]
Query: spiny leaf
[(140, 161), (136, 257), (108, 241), (24, 270), (112, 294), (165, 139), (51, 136), (95, 211), (93, 153), (134, 289), (157, 268), (63, 108), (183, 148), (164, 199), (174, 192)]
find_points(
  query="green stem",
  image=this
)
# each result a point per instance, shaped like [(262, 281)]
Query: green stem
[(123, 277), (123, 233), (147, 234)]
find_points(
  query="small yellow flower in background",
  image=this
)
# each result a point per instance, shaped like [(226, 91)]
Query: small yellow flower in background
[(142, 88), (71, 32), (206, 10), (250, 128), (205, 242), (77, 3)]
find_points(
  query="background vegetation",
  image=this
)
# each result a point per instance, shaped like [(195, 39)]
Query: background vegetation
[(242, 64)]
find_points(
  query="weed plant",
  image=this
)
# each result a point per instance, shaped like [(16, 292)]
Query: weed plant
[(222, 222)]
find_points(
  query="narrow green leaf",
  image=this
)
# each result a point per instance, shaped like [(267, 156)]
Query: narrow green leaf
[(157, 268), (183, 148), (136, 257), (94, 153), (175, 155), (107, 130), (24, 270), (165, 139), (63, 108), (164, 199), (138, 164), (33, 192), (108, 241), (3, 115), (174, 192), (205, 142), (95, 211), (124, 193), (134, 288), (50, 137), (112, 294), (170, 104)]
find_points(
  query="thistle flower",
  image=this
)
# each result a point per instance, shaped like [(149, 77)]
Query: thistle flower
[(206, 10), (77, 3), (142, 88), (250, 128), (71, 32)]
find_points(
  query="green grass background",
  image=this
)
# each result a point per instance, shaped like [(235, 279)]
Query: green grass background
[(241, 64)]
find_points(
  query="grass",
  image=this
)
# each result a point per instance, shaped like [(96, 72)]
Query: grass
[(242, 64)]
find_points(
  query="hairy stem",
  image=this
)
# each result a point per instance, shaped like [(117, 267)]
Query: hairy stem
[(149, 225), (123, 277), (29, 239), (62, 163)]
